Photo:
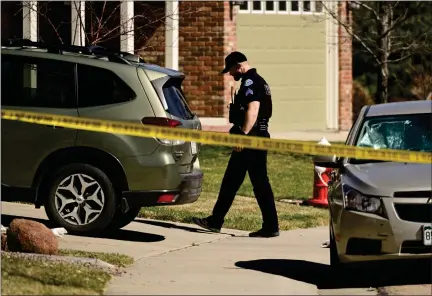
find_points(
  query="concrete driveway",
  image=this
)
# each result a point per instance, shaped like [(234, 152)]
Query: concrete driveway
[(175, 258)]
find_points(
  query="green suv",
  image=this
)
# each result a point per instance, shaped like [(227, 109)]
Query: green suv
[(90, 182)]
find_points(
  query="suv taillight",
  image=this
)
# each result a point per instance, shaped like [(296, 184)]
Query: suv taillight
[(161, 121), (166, 122)]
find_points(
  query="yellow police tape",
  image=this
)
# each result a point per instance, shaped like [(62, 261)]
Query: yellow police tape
[(215, 138)]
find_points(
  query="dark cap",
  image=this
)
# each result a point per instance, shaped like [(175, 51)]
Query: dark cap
[(233, 59)]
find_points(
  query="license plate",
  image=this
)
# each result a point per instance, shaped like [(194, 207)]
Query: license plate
[(193, 148), (427, 235)]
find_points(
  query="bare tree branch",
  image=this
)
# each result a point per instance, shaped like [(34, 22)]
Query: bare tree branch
[(28, 5), (367, 7), (388, 34), (104, 21), (401, 59), (401, 19), (349, 30)]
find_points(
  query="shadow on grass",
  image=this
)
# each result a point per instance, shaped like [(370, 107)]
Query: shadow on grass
[(374, 274), (122, 234)]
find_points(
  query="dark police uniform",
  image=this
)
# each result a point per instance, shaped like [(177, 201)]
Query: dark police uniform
[(253, 88)]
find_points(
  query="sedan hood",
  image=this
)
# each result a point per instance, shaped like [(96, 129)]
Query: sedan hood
[(384, 178)]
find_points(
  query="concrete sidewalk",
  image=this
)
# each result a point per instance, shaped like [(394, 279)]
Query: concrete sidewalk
[(139, 239), (229, 266), (175, 258)]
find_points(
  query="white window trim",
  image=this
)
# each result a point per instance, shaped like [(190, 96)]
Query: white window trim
[(283, 11), (261, 11), (313, 6), (275, 7), (296, 12), (246, 11), (332, 71), (276, 10)]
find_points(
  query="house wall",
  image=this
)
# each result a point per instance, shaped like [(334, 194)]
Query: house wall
[(207, 34)]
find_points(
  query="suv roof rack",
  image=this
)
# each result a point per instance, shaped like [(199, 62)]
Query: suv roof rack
[(113, 56)]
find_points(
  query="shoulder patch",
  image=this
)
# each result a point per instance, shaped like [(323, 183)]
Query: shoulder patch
[(267, 89), (248, 82), (249, 92)]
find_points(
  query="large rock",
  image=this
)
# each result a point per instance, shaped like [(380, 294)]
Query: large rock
[(31, 237)]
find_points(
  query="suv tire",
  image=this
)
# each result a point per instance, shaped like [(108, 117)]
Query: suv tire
[(120, 219), (94, 206)]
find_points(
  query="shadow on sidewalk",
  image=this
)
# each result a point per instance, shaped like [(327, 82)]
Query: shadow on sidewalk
[(180, 227), (170, 225), (376, 274), (122, 234)]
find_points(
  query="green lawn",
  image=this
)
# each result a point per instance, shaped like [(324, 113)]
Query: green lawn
[(243, 215), (116, 259), (291, 176), (37, 276)]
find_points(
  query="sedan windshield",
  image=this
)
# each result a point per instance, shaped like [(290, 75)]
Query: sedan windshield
[(411, 132)]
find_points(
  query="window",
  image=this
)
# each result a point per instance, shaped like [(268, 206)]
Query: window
[(257, 6), (34, 82), (269, 6), (295, 6), (176, 100), (98, 87), (306, 6), (244, 5), (282, 7)]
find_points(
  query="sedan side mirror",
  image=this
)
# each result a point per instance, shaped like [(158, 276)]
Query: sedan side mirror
[(326, 161)]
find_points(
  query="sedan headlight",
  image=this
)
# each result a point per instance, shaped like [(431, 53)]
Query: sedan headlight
[(356, 201)]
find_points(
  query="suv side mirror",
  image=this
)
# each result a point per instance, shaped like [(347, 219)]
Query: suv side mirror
[(326, 161)]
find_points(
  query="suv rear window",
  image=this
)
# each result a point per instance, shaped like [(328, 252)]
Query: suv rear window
[(176, 100), (99, 87)]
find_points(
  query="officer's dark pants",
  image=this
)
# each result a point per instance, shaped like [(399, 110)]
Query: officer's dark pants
[(255, 163)]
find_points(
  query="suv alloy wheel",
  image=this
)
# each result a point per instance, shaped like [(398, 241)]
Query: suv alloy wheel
[(81, 198)]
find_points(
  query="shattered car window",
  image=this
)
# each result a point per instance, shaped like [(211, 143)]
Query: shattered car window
[(402, 132)]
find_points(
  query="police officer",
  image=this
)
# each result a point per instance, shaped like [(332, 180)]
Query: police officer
[(249, 114)]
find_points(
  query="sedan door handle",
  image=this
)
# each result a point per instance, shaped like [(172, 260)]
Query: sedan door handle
[(54, 127)]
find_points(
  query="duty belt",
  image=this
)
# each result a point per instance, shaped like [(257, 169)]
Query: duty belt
[(261, 124)]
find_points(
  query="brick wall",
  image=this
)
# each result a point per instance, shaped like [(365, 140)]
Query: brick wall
[(201, 55), (345, 71), (206, 35)]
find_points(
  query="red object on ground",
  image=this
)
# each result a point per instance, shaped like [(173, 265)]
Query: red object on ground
[(320, 189)]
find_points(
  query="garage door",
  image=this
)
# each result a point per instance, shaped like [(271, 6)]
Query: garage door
[(286, 42)]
